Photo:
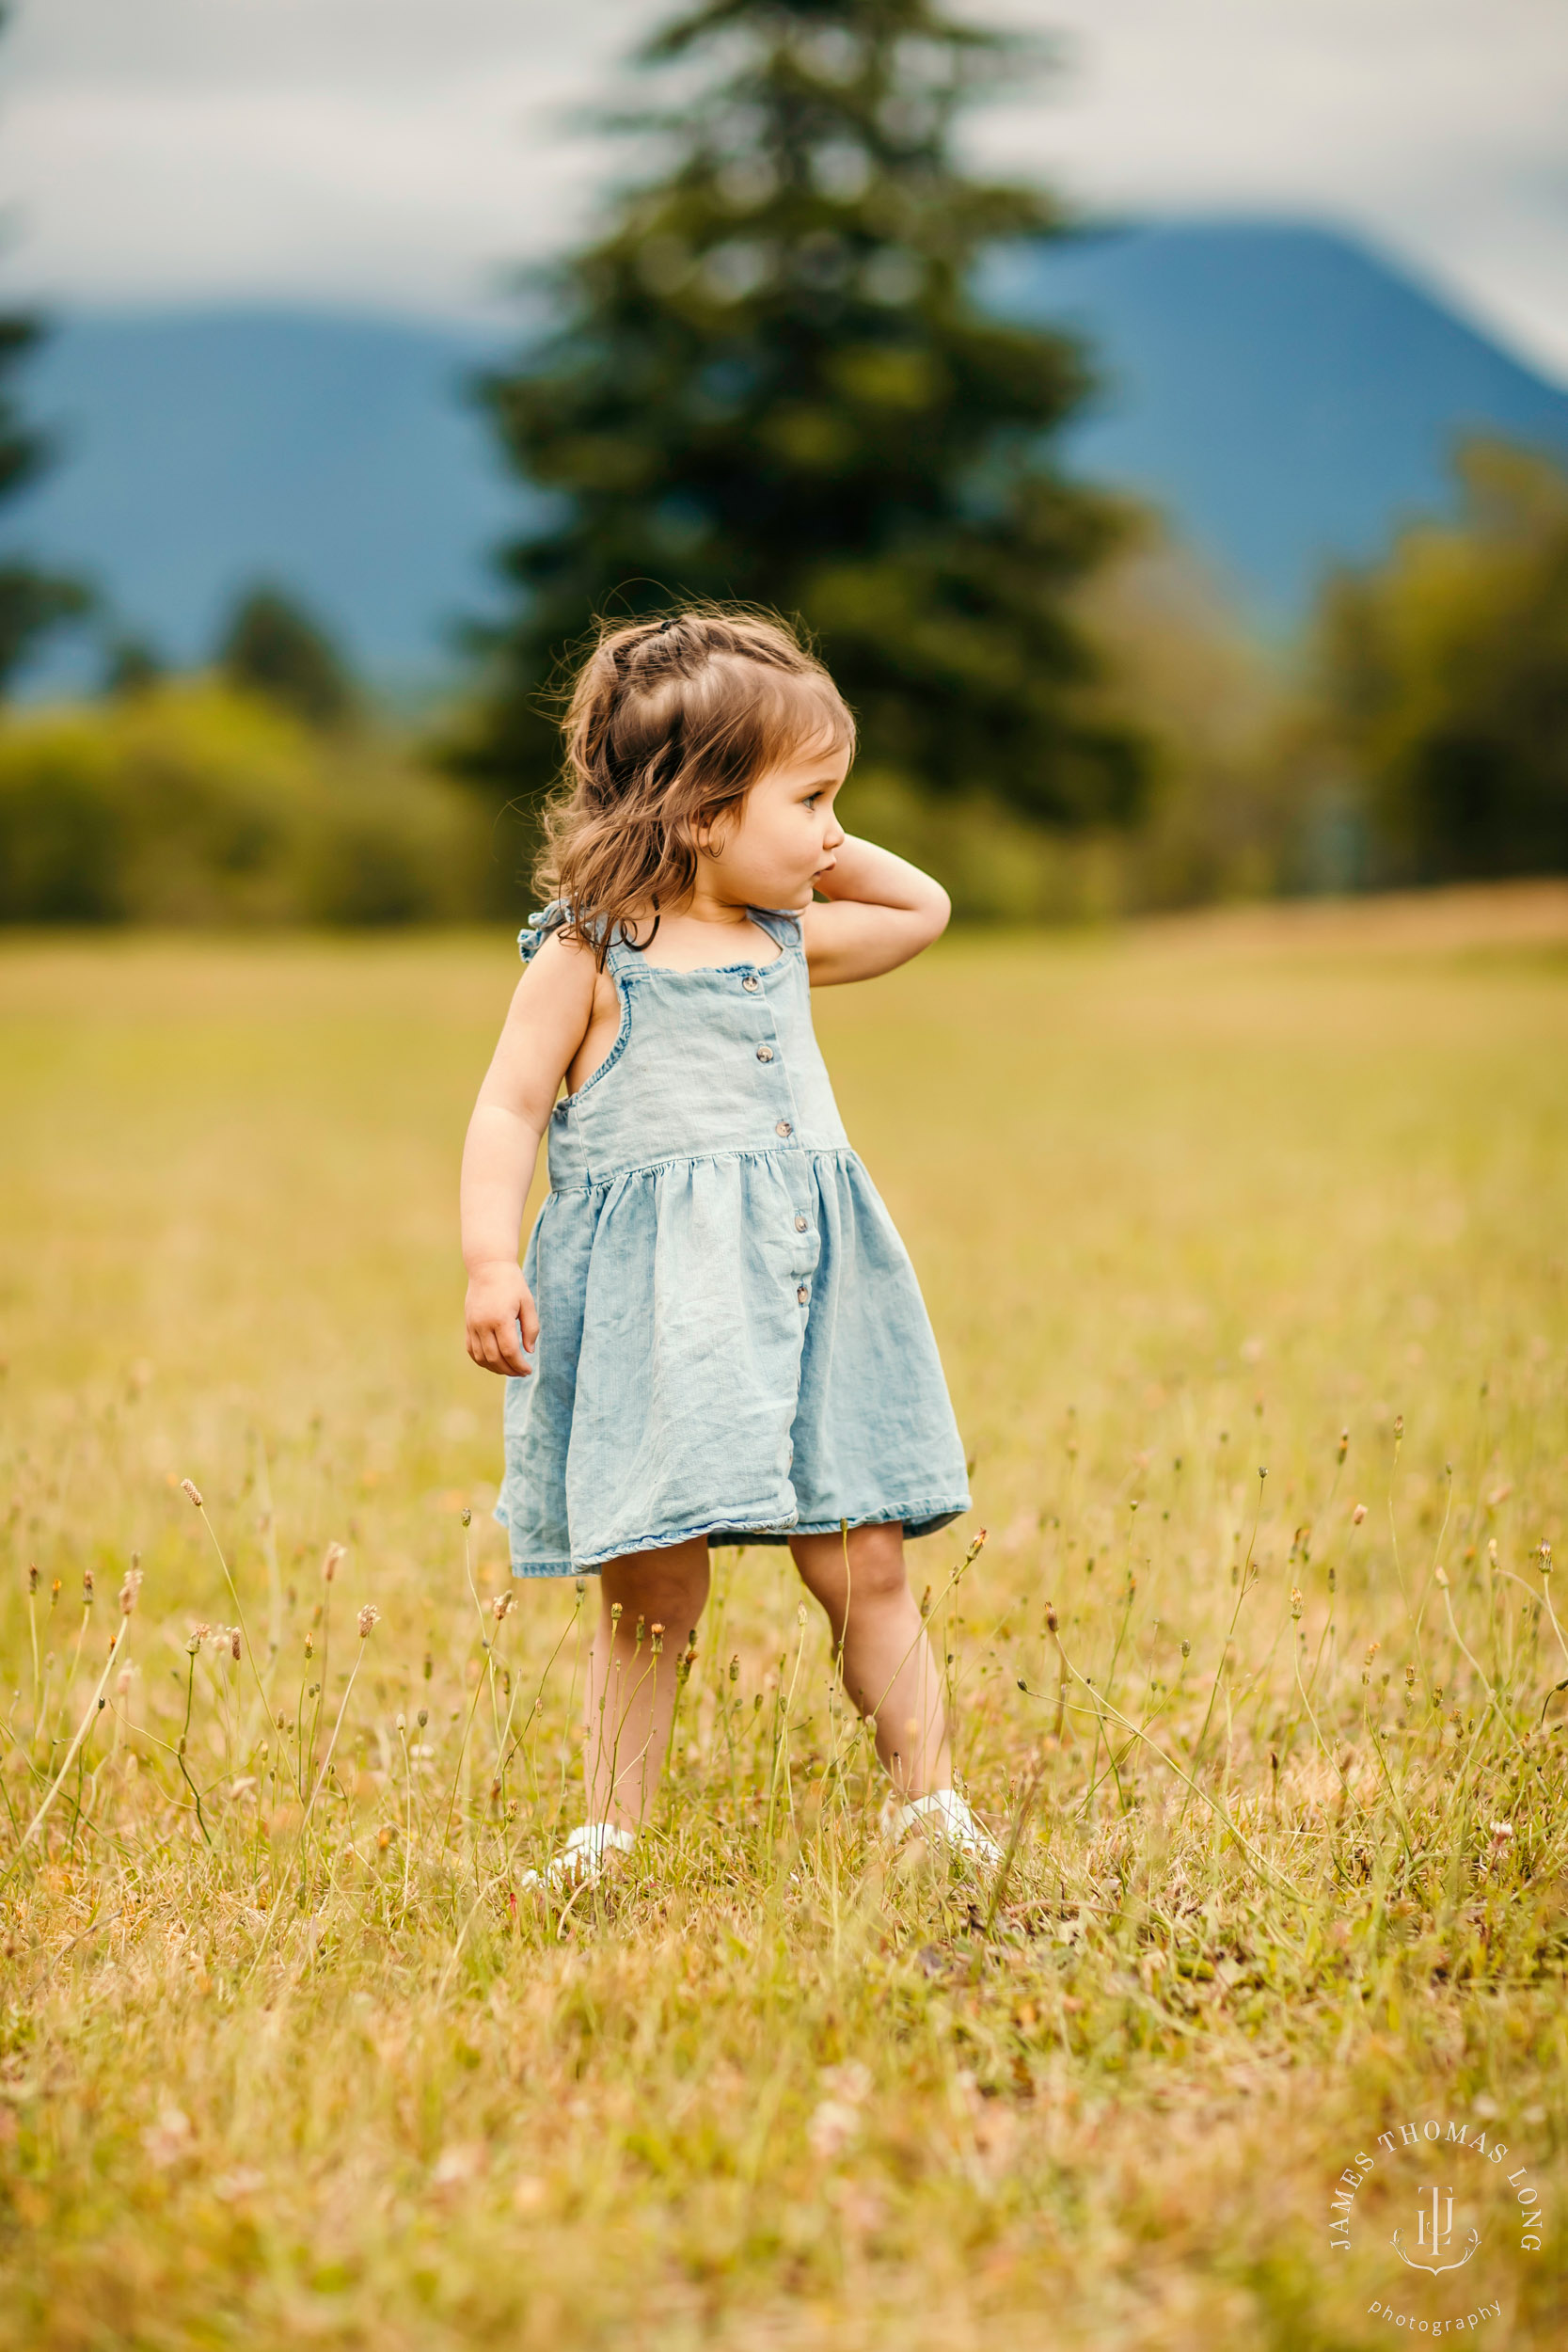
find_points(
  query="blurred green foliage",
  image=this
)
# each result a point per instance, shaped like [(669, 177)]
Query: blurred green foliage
[(33, 603), (273, 646), (191, 804), (1442, 688)]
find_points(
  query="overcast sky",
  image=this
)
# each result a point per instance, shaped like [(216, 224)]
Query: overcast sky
[(397, 154)]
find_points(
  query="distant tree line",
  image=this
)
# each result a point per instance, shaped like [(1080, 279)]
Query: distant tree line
[(1442, 680)]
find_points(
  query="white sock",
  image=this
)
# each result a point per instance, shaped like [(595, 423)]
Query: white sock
[(596, 1839)]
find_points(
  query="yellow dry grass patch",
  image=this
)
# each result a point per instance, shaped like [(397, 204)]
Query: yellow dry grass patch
[(1189, 1204)]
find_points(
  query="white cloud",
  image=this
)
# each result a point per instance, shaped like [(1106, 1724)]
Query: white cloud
[(404, 152)]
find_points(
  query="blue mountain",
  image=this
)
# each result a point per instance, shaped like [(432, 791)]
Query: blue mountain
[(1286, 395), (338, 454)]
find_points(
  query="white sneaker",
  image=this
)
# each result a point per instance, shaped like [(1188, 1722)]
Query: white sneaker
[(944, 1815), (581, 1860)]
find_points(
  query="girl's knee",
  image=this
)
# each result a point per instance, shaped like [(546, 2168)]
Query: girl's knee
[(667, 1591), (873, 1575)]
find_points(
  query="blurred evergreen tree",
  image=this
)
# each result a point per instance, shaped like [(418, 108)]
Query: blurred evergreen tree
[(272, 646), (770, 378), (1444, 677), (32, 602), (133, 665)]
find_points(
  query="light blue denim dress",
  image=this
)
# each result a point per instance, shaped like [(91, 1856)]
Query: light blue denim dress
[(731, 1340)]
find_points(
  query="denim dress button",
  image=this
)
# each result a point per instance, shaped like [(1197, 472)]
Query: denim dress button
[(800, 1225), (802, 1294), (765, 1053), (783, 1127), (751, 983)]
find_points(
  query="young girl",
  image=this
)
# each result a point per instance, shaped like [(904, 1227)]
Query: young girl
[(717, 1337)]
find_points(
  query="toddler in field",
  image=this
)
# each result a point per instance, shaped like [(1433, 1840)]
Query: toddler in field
[(717, 1336)]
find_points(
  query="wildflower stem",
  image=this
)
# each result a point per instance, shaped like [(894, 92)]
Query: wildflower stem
[(305, 1819), (86, 1724), (1103, 1706), (239, 1613)]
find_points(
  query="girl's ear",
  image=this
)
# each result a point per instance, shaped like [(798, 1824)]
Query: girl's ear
[(711, 832)]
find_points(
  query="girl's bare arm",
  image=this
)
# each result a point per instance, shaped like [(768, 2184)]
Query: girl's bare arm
[(545, 1025), (882, 912)]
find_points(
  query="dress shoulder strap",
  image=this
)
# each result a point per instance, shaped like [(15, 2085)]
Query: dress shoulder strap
[(539, 924), (781, 926), (544, 921)]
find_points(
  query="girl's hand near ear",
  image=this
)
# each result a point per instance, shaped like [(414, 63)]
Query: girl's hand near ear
[(881, 911)]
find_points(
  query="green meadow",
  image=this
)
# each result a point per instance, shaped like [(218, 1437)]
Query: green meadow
[(1243, 1237)]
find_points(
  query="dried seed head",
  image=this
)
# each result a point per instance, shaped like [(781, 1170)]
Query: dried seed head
[(1358, 1515), (368, 1616), (1545, 1558), (1051, 1620), (422, 1717), (1502, 1833), (1492, 1552), (188, 1487), (32, 1578), (1399, 1425), (86, 1588), (129, 1590), (502, 1605), (735, 1667), (1410, 1677), (1295, 1600), (466, 1516), (234, 1642), (1373, 1651), (402, 1726), (1344, 1443), (310, 1645), (331, 1560), (1442, 1575)]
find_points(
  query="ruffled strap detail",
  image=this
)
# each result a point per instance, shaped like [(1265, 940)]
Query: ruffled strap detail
[(539, 925)]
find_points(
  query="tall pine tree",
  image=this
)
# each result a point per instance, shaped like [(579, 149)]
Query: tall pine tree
[(31, 602), (770, 378)]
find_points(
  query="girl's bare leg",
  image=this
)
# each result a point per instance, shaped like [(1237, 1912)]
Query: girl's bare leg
[(629, 1702), (888, 1668)]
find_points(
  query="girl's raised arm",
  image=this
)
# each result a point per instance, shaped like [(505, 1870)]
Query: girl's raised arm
[(546, 1022), (882, 912)]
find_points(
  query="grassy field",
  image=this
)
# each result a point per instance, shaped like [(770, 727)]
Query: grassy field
[(1244, 1240)]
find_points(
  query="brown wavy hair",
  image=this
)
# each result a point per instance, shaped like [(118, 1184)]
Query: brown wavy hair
[(670, 723)]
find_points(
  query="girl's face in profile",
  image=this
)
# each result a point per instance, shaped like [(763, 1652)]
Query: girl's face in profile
[(771, 849)]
